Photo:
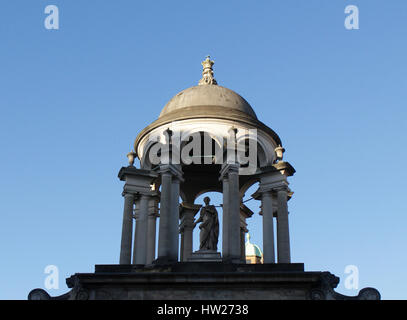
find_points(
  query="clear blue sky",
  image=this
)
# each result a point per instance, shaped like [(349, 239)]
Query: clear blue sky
[(73, 100)]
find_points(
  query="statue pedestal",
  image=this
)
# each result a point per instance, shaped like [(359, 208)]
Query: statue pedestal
[(205, 256)]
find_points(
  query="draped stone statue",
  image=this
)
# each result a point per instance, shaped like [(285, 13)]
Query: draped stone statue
[(209, 227)]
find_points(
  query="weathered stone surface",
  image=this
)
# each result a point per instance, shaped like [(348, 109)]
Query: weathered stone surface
[(204, 280), (205, 256)]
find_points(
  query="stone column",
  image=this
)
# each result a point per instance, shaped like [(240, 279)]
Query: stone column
[(232, 216), (165, 219), (169, 214), (181, 231), (188, 213), (234, 213), (141, 236), (127, 229), (225, 209), (138, 182), (175, 210), (151, 229), (273, 190), (137, 228), (268, 227), (283, 236)]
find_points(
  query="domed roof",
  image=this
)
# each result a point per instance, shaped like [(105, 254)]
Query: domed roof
[(252, 249), (209, 101), (206, 95)]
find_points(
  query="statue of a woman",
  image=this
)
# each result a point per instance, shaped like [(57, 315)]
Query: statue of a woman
[(209, 226)]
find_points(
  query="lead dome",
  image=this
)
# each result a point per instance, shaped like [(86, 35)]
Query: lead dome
[(208, 106), (204, 96)]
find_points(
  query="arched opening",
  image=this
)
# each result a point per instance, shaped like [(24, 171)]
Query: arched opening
[(198, 155)]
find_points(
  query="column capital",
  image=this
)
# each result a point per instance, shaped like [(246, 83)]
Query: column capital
[(127, 172), (174, 170), (271, 180), (137, 181), (127, 193), (228, 168), (138, 194), (261, 193)]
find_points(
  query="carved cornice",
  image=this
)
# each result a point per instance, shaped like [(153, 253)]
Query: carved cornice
[(285, 168), (207, 112), (134, 172)]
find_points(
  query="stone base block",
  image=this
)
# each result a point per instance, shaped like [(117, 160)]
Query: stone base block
[(204, 281), (205, 256)]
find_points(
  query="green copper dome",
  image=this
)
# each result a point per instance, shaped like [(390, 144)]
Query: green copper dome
[(252, 249)]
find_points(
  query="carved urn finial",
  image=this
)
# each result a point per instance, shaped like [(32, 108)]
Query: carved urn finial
[(131, 156), (207, 73), (279, 152)]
